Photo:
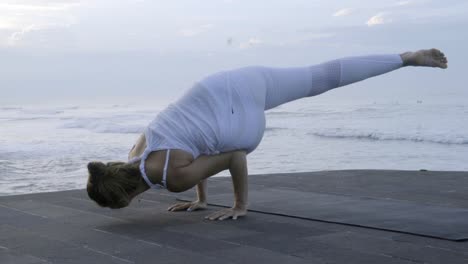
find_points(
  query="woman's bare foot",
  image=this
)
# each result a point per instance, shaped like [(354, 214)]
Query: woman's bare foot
[(427, 58)]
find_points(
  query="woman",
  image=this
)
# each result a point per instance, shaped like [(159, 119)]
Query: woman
[(219, 121)]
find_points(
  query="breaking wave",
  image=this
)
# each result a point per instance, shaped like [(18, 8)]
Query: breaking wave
[(100, 126), (379, 136)]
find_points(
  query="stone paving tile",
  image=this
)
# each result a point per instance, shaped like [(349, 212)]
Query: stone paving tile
[(208, 229), (169, 255), (8, 256), (24, 219), (279, 225), (94, 239), (41, 208), (418, 187), (66, 227), (44, 195), (148, 214), (459, 247), (362, 242), (27, 243), (281, 243), (432, 255), (185, 241), (114, 244), (384, 246), (246, 254), (337, 255), (136, 208), (301, 224)]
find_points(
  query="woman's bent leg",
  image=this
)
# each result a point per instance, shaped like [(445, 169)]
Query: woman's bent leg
[(288, 84)]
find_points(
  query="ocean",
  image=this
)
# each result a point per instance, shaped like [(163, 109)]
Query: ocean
[(46, 148)]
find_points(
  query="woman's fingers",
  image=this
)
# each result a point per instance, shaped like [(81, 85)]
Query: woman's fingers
[(215, 215), (192, 206), (225, 214), (219, 215), (176, 208), (179, 207)]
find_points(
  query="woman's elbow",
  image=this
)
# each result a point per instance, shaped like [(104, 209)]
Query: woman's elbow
[(176, 188), (178, 183)]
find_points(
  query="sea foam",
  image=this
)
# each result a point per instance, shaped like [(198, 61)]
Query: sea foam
[(104, 126), (440, 138)]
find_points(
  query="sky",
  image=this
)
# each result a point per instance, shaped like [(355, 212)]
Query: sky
[(131, 50)]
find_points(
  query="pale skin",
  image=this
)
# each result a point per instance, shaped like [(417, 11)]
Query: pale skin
[(185, 172)]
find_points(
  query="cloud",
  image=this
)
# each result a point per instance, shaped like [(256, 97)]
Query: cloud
[(40, 35), (15, 37), (38, 7), (378, 19), (321, 36), (191, 32), (24, 22), (404, 3), (8, 23), (343, 12), (250, 43)]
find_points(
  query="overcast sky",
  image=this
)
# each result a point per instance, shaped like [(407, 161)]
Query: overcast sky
[(76, 49)]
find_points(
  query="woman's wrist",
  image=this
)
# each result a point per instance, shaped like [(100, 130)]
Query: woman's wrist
[(202, 201), (240, 206)]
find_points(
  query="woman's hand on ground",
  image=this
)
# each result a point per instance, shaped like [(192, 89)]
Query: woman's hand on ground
[(233, 212), (188, 206)]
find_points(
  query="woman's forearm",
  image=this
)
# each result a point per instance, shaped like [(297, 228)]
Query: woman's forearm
[(184, 178), (201, 190), (238, 170)]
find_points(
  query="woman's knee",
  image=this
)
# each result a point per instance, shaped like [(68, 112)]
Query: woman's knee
[(139, 147)]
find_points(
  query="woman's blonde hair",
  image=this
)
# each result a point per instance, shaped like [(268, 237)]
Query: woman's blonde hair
[(111, 184)]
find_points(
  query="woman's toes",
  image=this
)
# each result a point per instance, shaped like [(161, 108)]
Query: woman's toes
[(438, 58), (428, 58), (443, 65), (439, 53)]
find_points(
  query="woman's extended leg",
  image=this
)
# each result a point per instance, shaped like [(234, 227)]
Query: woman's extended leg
[(287, 84)]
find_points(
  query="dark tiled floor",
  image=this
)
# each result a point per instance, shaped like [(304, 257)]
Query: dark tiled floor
[(66, 227)]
